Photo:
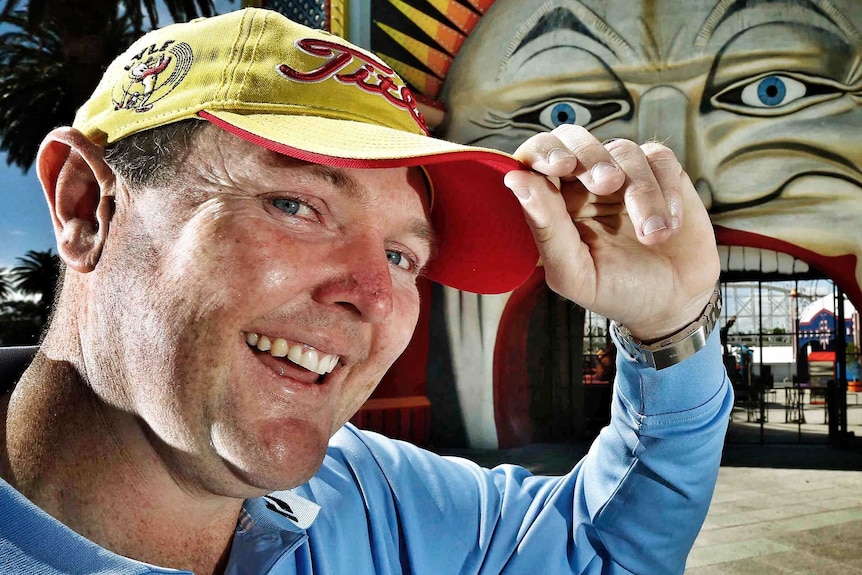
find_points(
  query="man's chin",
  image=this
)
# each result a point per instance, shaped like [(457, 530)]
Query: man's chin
[(282, 457)]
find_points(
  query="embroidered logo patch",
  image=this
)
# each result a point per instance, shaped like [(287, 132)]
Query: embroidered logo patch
[(372, 76), (152, 74), (280, 507)]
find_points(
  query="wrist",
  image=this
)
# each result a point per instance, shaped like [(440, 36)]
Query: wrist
[(683, 317), (677, 346)]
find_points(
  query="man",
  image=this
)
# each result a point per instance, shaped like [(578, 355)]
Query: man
[(241, 256)]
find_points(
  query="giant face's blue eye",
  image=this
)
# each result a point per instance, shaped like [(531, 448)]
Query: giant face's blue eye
[(563, 114), (772, 92), (566, 112)]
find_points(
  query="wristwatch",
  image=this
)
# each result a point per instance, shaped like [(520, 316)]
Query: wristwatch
[(674, 348)]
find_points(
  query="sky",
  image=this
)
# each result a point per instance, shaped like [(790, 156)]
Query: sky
[(25, 223)]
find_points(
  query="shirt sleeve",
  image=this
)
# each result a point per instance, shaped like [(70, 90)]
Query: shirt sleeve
[(634, 504)]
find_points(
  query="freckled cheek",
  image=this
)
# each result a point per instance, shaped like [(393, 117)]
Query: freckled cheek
[(397, 332), (250, 264)]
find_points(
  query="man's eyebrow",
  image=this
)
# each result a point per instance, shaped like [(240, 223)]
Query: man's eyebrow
[(726, 8), (334, 176), (578, 18), (420, 228), (339, 180)]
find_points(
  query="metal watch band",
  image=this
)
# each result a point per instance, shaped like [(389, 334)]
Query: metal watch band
[(677, 347)]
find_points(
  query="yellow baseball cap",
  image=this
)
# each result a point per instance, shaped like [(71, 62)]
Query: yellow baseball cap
[(313, 96)]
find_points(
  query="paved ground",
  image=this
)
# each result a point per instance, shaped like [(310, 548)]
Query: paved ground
[(783, 509)]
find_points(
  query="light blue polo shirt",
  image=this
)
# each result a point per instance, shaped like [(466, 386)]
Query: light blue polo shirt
[(634, 504)]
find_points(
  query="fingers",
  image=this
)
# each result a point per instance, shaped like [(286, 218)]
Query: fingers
[(652, 190), (647, 178), (571, 152), (565, 256), (583, 205)]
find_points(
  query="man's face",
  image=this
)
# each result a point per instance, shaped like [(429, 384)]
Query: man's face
[(249, 244), (760, 101)]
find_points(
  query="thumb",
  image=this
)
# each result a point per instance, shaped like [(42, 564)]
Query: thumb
[(566, 258)]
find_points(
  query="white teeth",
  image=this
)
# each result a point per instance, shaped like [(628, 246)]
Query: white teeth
[(310, 360), (737, 258), (333, 361), (279, 347), (295, 353), (263, 343), (300, 354)]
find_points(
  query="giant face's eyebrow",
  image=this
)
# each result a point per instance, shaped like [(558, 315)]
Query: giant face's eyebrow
[(726, 8), (577, 18)]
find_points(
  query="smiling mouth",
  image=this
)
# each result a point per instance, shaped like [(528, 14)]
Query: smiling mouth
[(300, 355)]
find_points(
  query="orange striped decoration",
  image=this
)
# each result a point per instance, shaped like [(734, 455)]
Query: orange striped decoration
[(437, 61), (481, 5), (424, 82), (448, 38), (458, 14)]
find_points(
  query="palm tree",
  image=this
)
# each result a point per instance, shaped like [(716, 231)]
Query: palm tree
[(53, 58), (37, 275), (5, 284)]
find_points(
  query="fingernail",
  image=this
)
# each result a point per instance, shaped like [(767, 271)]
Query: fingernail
[(559, 154), (522, 193), (653, 225), (602, 171), (674, 223)]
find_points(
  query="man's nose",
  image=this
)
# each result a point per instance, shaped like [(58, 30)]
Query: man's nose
[(360, 280)]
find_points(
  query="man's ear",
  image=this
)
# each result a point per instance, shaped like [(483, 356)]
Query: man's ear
[(79, 186)]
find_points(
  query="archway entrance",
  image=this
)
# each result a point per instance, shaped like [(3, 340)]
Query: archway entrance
[(792, 351)]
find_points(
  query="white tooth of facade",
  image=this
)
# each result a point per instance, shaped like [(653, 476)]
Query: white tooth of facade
[(768, 261), (279, 347), (294, 353), (752, 258), (310, 360), (736, 261), (785, 263), (263, 343), (738, 258), (251, 338), (332, 363), (723, 252)]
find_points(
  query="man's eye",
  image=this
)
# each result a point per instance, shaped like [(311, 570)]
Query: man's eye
[(399, 259), (292, 207)]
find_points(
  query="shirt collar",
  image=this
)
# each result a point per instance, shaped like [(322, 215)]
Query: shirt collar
[(283, 510)]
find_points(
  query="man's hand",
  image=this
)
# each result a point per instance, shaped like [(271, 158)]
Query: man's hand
[(620, 228)]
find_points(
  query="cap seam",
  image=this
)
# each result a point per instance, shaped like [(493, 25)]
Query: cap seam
[(229, 73), (254, 46)]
